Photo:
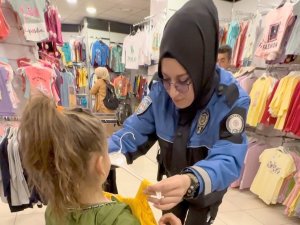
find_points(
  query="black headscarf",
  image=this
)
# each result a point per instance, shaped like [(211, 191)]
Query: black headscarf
[(191, 37)]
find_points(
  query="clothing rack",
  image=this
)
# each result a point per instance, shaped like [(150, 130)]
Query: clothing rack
[(105, 39), (9, 118)]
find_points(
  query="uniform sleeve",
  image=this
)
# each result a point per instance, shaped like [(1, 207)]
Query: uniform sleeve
[(138, 134), (225, 159)]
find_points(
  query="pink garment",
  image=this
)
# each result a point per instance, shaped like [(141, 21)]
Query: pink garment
[(53, 25), (4, 27), (277, 22), (10, 76), (252, 164), (40, 78), (236, 183), (246, 82), (291, 197), (239, 49)]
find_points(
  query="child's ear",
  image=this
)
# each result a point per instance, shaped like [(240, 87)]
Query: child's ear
[(100, 168)]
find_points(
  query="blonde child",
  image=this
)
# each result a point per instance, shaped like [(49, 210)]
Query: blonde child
[(65, 155)]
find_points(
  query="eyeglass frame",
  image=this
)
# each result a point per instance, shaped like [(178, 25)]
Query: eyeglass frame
[(186, 83)]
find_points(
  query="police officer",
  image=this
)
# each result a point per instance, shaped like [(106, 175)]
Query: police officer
[(197, 112)]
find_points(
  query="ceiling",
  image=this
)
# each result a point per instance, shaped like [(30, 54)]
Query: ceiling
[(125, 11)]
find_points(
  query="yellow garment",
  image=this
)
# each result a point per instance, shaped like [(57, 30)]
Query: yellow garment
[(82, 79), (259, 94), (282, 99), (275, 166), (139, 204), (294, 205)]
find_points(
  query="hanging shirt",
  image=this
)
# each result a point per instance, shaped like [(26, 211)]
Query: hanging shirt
[(259, 94), (4, 28), (251, 163), (282, 99), (293, 120), (67, 52), (251, 40), (100, 54), (237, 56), (68, 82), (131, 51), (31, 13), (53, 25), (233, 34), (277, 22), (82, 77), (275, 166), (293, 46), (122, 86), (267, 119), (116, 59), (40, 78), (6, 108)]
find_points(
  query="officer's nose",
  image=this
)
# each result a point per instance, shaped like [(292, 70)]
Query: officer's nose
[(173, 92)]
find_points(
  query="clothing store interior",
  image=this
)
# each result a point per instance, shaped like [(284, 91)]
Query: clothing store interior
[(96, 63)]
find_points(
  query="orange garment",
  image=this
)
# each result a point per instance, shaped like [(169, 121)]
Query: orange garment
[(4, 28), (99, 90), (122, 86)]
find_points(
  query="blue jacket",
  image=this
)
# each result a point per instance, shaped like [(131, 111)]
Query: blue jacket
[(100, 54), (217, 143)]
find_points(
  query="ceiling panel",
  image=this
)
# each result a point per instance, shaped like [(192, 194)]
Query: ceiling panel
[(126, 11)]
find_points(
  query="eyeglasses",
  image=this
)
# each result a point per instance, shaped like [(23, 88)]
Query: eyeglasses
[(180, 86)]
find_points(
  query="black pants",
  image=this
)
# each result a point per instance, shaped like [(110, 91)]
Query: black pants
[(194, 216)]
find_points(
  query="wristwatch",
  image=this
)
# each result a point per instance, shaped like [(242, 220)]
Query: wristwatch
[(193, 189)]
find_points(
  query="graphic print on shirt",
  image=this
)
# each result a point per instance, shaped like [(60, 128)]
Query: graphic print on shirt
[(273, 33), (273, 167), (31, 13)]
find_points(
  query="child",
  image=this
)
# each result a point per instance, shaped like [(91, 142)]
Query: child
[(65, 155)]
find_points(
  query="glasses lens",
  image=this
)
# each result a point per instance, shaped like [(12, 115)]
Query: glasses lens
[(182, 88), (166, 84)]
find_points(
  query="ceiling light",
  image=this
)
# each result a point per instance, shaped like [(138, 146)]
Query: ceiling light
[(91, 10), (72, 1)]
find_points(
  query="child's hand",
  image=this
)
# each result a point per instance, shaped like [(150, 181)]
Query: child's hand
[(169, 219)]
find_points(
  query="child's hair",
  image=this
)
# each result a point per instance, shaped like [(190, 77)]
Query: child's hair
[(56, 148)]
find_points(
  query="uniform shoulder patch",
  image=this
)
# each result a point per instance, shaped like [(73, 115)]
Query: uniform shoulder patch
[(144, 105), (202, 121), (235, 124)]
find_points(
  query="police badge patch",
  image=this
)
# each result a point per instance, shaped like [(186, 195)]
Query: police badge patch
[(235, 124), (144, 105), (202, 121)]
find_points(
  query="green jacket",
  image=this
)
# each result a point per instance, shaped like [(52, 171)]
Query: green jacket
[(113, 213)]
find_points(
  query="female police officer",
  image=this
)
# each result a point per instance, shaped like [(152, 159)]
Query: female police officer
[(197, 113)]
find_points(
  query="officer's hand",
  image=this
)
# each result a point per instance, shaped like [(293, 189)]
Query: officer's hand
[(172, 190), (169, 219)]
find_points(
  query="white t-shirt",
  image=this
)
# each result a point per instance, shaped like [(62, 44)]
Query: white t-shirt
[(131, 52), (31, 13), (293, 46)]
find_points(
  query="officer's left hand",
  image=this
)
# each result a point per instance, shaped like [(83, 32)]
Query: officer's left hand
[(172, 190)]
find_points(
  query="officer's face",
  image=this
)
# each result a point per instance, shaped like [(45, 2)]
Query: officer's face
[(177, 83)]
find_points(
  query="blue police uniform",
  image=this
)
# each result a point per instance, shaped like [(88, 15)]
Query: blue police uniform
[(217, 146), (207, 138)]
